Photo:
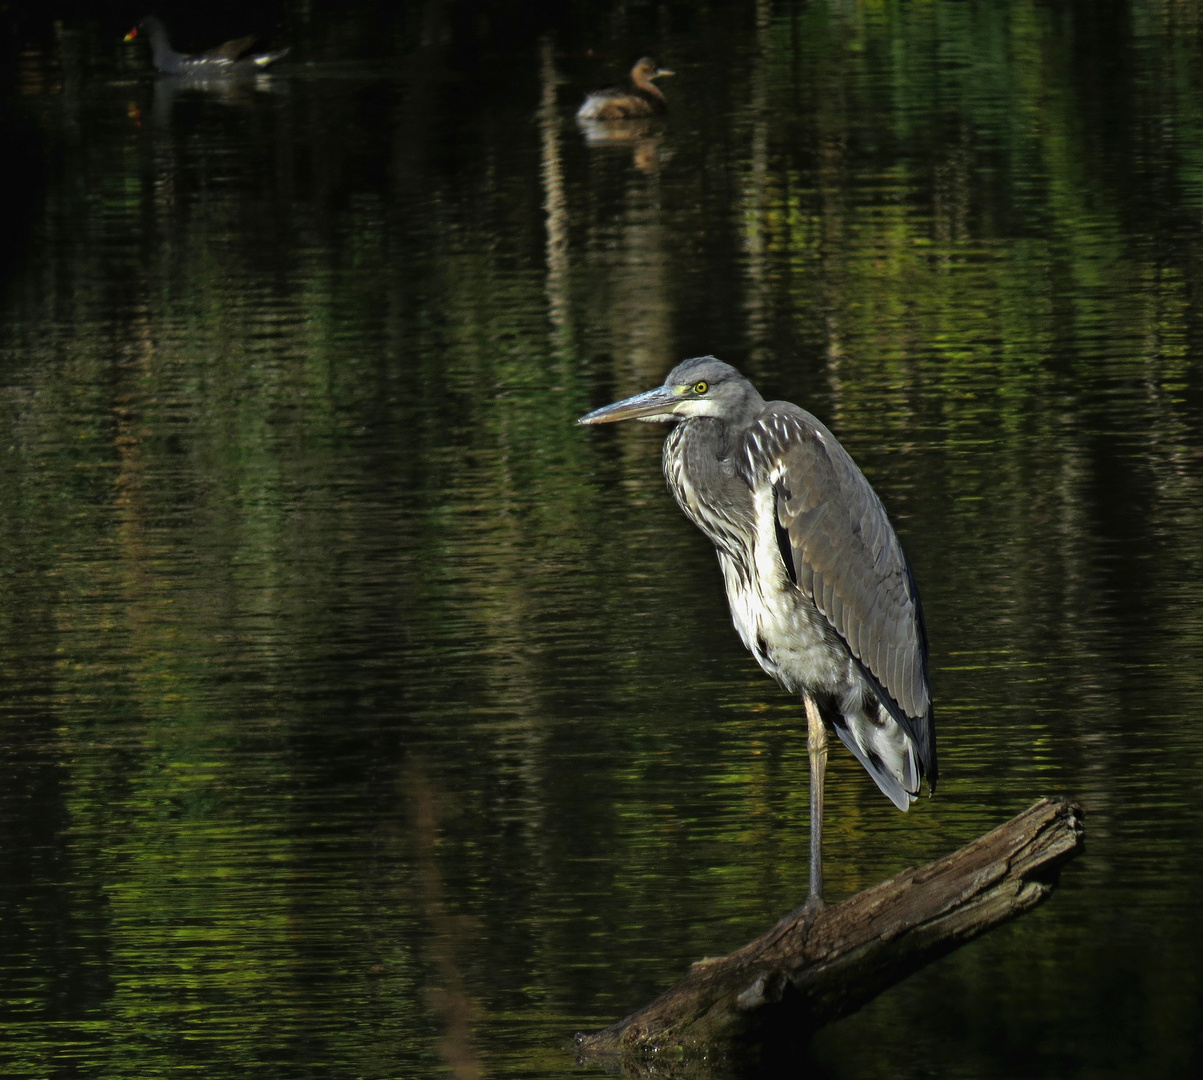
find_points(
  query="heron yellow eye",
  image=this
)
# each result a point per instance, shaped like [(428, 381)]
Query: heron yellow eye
[(701, 387)]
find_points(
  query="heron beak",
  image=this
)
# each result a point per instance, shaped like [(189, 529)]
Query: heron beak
[(663, 71), (661, 401)]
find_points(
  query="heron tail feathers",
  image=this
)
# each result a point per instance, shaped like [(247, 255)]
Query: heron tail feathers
[(885, 750)]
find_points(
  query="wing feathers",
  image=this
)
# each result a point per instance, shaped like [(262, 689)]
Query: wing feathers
[(847, 557)]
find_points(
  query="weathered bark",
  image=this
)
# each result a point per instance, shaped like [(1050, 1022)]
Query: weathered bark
[(800, 976)]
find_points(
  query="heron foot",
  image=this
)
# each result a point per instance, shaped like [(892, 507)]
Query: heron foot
[(814, 904), (801, 918)]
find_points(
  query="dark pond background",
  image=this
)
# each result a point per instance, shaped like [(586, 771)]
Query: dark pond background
[(362, 716)]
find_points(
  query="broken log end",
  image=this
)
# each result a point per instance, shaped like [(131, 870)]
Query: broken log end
[(802, 974)]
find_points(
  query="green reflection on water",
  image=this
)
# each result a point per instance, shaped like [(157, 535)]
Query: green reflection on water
[(364, 716)]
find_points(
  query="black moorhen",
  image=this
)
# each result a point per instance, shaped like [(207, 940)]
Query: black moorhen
[(224, 60)]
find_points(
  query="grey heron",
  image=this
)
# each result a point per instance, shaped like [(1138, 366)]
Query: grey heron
[(819, 587)]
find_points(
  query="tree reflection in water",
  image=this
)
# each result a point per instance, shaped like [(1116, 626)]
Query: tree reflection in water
[(295, 506)]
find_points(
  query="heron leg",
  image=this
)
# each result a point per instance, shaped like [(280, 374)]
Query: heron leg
[(816, 748)]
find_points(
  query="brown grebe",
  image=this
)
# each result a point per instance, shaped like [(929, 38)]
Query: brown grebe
[(641, 97)]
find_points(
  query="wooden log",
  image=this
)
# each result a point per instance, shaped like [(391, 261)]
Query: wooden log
[(805, 973)]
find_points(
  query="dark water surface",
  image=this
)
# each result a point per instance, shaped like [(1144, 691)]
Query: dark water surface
[(362, 716)]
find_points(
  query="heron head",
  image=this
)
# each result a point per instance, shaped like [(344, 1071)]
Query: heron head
[(703, 386)]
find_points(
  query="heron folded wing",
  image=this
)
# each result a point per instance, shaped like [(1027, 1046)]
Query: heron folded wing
[(847, 557)]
